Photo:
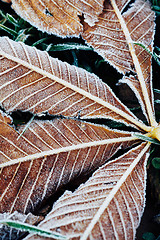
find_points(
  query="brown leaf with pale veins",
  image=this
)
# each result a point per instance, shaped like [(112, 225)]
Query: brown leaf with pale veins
[(5, 118), (48, 155), (6, 1), (31, 80), (60, 17), (113, 36), (36, 162), (108, 206)]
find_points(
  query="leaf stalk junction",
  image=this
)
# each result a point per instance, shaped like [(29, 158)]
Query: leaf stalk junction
[(155, 133)]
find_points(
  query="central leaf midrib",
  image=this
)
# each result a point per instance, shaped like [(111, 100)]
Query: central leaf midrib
[(78, 90), (69, 148), (113, 192), (136, 63)]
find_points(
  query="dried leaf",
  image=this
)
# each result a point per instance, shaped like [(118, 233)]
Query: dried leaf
[(108, 206), (30, 80), (48, 155), (6, 1), (61, 17), (113, 36)]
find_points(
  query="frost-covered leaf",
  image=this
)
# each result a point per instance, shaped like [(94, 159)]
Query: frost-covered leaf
[(113, 36), (61, 17), (31, 80), (7, 1), (37, 162), (108, 206), (48, 155)]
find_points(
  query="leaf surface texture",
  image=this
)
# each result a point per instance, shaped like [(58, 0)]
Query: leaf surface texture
[(108, 206), (111, 33), (61, 17), (48, 155), (113, 36), (51, 153), (32, 81)]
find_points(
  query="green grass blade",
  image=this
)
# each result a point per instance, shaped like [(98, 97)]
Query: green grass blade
[(12, 20), (157, 101), (2, 14), (2, 21), (22, 37), (156, 6), (75, 59), (49, 47), (69, 46), (157, 48), (154, 55), (26, 127), (148, 236), (32, 229), (40, 41), (147, 139), (157, 90), (9, 30)]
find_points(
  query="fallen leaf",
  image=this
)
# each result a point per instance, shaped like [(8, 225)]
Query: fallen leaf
[(113, 37), (61, 17), (31, 80), (51, 153), (48, 155), (108, 206)]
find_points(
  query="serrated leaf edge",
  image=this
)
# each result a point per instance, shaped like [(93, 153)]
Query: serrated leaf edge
[(136, 64), (75, 88), (112, 194)]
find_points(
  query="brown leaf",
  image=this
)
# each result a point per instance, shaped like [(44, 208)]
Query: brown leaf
[(30, 80), (5, 118), (108, 206), (61, 17), (113, 36), (48, 155), (51, 153), (6, 1)]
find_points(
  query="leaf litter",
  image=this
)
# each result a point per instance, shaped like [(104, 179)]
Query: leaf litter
[(30, 79)]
